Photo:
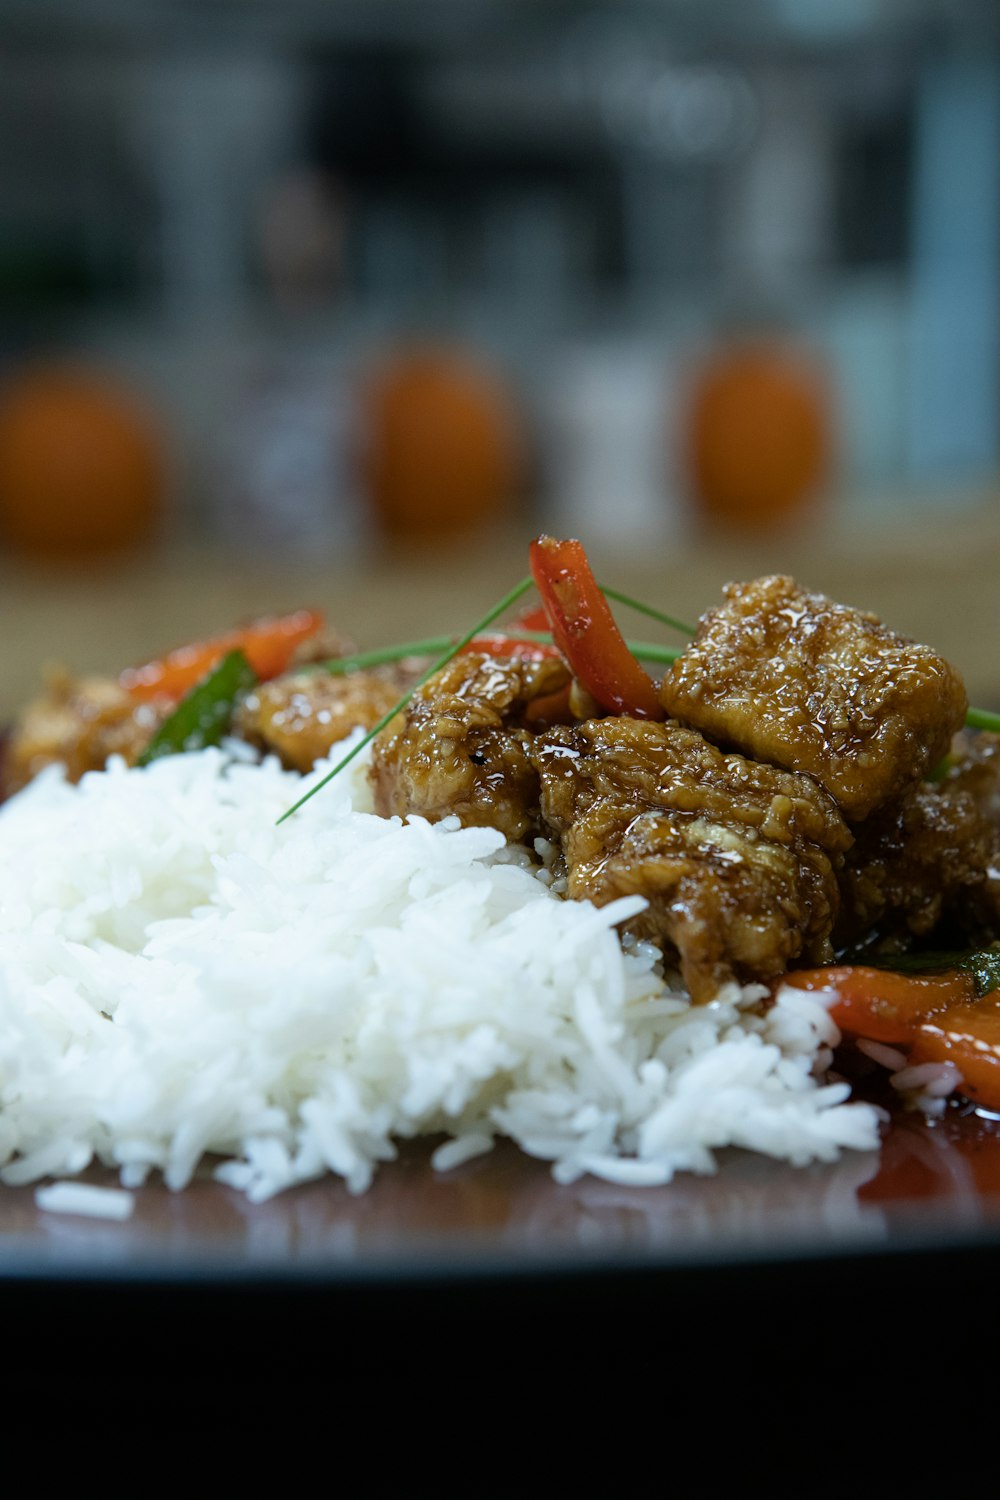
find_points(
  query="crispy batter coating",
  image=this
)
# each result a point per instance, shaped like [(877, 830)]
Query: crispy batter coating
[(737, 860), (460, 747), (974, 767), (818, 836), (929, 863), (791, 678), (79, 722), (327, 643), (301, 716)]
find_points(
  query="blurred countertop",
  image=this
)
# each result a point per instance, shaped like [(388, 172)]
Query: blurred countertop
[(935, 579)]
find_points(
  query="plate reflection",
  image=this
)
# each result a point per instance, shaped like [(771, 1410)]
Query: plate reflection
[(504, 1210)]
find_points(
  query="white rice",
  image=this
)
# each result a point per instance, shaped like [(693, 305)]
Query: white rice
[(85, 1200), (185, 985)]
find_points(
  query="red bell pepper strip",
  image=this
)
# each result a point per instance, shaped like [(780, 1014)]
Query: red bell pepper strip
[(938, 1018), (533, 618), (880, 1005), (552, 708), (968, 1036), (584, 629), (512, 645), (267, 643)]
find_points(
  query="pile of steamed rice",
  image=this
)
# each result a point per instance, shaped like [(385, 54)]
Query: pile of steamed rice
[(185, 986)]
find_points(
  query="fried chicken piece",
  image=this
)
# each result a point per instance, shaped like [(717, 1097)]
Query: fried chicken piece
[(791, 678), (327, 643), (974, 767), (930, 861), (461, 745), (737, 860), (302, 715), (78, 722)]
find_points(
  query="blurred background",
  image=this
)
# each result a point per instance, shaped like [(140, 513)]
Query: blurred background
[(341, 301)]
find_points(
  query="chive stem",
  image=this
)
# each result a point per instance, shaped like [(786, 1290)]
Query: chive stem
[(650, 651), (647, 609), (498, 609), (981, 718), (381, 656), (449, 647)]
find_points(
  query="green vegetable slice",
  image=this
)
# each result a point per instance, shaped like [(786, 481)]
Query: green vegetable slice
[(451, 651), (341, 666), (203, 715)]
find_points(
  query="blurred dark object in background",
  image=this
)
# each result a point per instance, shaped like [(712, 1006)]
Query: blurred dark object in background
[(759, 435), (301, 232), (442, 453), (239, 206), (82, 465), (284, 478)]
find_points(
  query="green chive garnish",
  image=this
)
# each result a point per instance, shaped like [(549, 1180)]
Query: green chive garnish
[(981, 718), (647, 609), (382, 656), (449, 647), (442, 661), (649, 651)]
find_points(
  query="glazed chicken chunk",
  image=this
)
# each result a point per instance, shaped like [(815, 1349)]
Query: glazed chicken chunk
[(793, 679), (929, 863), (461, 746), (974, 767), (78, 722), (301, 716), (738, 861)]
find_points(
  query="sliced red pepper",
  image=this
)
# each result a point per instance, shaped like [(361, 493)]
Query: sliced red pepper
[(540, 713), (267, 643), (882, 1006), (553, 708), (968, 1036), (512, 645), (533, 618), (937, 1017), (584, 629)]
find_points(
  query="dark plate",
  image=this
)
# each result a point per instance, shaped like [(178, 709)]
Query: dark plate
[(503, 1215), (794, 1284)]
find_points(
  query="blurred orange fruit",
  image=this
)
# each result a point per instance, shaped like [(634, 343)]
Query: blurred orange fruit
[(82, 468), (443, 450), (759, 438)]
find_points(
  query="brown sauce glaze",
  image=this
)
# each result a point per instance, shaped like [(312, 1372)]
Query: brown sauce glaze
[(791, 678)]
